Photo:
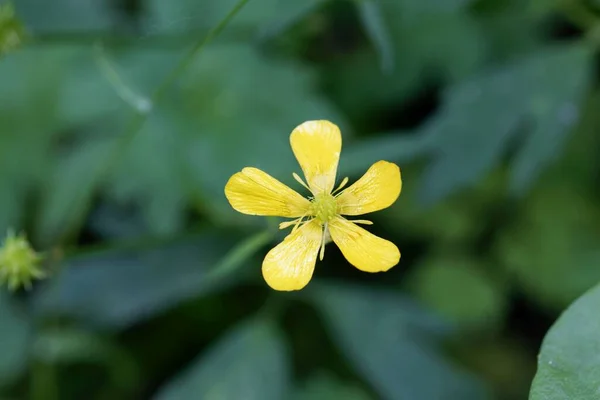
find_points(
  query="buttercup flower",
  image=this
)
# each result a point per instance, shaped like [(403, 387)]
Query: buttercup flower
[(320, 218)]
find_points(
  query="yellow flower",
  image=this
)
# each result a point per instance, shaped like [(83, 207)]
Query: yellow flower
[(319, 219)]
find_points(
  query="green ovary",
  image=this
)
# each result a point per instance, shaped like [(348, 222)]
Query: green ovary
[(323, 207)]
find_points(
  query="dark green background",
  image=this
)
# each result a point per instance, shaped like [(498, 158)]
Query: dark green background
[(490, 107)]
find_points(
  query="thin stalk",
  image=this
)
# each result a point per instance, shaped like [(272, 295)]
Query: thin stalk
[(140, 117)]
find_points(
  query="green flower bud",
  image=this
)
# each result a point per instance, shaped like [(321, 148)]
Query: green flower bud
[(12, 32), (19, 263)]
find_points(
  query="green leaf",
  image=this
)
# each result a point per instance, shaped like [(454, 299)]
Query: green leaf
[(62, 195), (480, 117), (371, 15), (231, 120), (259, 16), (325, 386), (250, 363), (397, 147), (10, 207), (72, 346), (431, 41), (14, 340), (457, 221), (158, 186), (390, 342), (551, 250), (568, 364), (29, 123), (459, 289), (67, 15), (117, 288)]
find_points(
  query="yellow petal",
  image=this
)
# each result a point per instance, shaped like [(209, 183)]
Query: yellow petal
[(317, 146), (361, 248), (378, 188), (255, 192), (290, 264)]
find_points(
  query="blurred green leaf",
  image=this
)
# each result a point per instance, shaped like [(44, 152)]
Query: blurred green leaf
[(433, 42), (460, 290), (29, 109), (72, 346), (119, 287), (31, 81), (62, 201), (580, 162), (552, 247), (390, 341), (512, 28), (15, 334), (250, 362), (230, 120), (397, 147), (295, 12), (184, 16), (568, 366), (325, 386), (371, 15), (162, 183), (457, 221), (67, 15), (505, 361), (11, 208), (480, 118)]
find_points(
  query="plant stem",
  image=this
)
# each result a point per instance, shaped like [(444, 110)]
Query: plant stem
[(44, 382), (139, 118)]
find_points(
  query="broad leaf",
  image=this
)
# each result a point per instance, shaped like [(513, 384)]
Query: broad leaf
[(62, 200), (429, 41), (15, 332), (569, 361), (258, 16), (552, 250), (391, 343), (325, 386), (230, 120), (459, 289), (67, 15), (250, 363), (480, 118), (117, 288)]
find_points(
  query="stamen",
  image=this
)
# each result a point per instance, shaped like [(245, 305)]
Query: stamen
[(361, 221), (300, 222), (287, 224), (297, 224), (341, 186), (322, 250), (300, 181)]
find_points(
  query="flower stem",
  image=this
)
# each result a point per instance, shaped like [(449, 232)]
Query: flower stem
[(139, 118)]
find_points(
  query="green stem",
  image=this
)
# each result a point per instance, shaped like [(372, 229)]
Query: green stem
[(44, 382), (140, 117)]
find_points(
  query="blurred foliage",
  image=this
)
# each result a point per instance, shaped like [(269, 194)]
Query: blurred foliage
[(119, 130)]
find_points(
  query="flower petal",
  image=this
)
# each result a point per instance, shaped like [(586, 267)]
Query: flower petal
[(290, 264), (255, 192), (361, 248), (317, 146), (377, 189)]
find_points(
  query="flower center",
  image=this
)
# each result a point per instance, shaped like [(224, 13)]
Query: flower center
[(323, 207)]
